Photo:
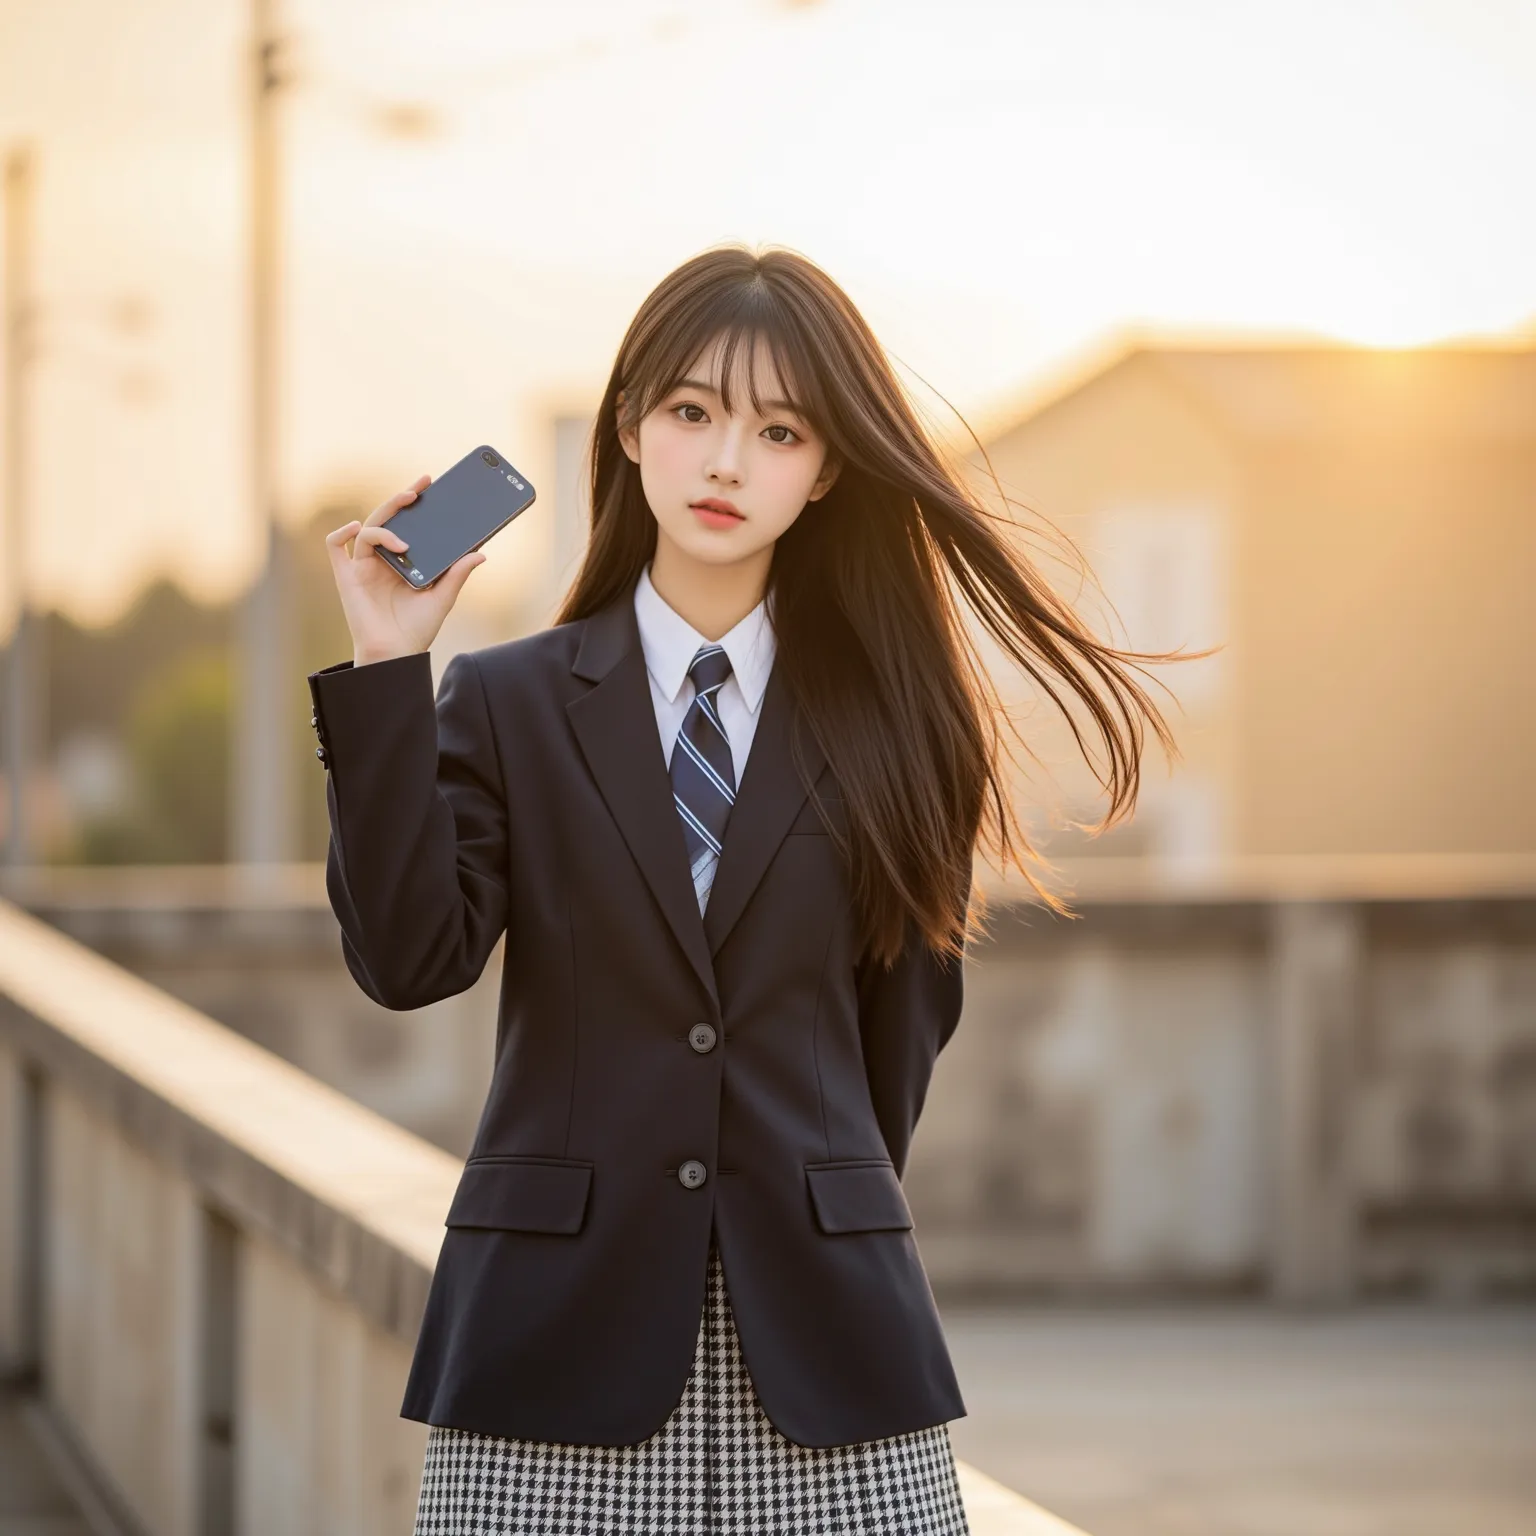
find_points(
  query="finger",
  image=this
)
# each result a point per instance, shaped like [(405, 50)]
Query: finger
[(336, 542), (387, 509), (368, 537), (453, 579)]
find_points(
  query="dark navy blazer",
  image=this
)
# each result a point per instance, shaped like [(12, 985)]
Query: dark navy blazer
[(532, 797)]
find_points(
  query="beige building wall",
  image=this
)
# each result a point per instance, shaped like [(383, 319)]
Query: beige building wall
[(1359, 531), (1387, 599)]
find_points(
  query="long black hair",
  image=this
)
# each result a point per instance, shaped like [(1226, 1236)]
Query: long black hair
[(864, 592)]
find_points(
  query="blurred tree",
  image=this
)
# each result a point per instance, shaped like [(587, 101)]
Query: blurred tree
[(157, 680), (93, 673), (177, 744)]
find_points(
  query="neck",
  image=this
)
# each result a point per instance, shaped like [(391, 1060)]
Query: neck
[(713, 597)]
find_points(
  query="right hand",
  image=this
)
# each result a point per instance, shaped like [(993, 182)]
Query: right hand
[(387, 617)]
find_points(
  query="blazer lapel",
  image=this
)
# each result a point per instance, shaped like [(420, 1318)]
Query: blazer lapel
[(768, 799), (615, 723)]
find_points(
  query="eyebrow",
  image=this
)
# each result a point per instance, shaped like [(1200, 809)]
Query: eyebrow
[(709, 389)]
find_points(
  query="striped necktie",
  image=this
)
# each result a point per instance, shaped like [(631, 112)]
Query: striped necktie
[(703, 778)]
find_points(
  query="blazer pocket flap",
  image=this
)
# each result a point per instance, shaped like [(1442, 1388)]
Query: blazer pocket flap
[(522, 1195), (858, 1197)]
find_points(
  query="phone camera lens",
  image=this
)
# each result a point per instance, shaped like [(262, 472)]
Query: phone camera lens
[(491, 459)]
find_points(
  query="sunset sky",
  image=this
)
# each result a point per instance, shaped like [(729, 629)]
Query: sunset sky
[(997, 184)]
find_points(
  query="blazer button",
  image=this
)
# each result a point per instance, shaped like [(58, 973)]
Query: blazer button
[(320, 753), (702, 1038), (692, 1174)]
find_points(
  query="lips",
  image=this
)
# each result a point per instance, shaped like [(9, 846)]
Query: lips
[(714, 504)]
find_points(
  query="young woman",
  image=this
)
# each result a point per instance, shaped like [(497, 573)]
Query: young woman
[(724, 812)]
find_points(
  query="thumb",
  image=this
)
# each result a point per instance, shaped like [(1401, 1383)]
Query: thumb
[(458, 573)]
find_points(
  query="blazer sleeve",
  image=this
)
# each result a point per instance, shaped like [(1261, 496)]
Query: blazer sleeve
[(906, 1017), (417, 867)]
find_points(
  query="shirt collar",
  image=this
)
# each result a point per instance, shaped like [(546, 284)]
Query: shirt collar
[(670, 643)]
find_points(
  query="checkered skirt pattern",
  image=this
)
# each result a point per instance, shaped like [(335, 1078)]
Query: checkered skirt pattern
[(717, 1467)]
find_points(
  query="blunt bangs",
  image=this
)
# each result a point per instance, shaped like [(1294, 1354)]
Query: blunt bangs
[(736, 320)]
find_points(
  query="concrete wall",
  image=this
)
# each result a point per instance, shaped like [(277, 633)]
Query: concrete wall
[(1098, 1119), (1308, 1095), (318, 1408), (304, 1437), (1302, 1078), (269, 966), (17, 1345), (120, 1321)]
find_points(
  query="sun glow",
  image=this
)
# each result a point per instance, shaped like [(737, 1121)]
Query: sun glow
[(996, 186)]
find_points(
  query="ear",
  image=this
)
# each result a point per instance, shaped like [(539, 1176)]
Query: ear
[(826, 480), (629, 437)]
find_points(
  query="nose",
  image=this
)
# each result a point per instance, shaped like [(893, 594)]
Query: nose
[(725, 463)]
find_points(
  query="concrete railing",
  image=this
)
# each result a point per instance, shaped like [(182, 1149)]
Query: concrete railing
[(212, 1266), (1294, 1077)]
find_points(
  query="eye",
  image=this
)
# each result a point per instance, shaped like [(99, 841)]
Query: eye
[(690, 405), (794, 437)]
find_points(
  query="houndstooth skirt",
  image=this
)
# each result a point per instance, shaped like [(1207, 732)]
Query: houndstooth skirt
[(717, 1467)]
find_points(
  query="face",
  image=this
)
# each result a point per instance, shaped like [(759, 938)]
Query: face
[(759, 470)]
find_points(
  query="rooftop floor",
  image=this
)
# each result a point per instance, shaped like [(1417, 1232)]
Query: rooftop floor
[(1244, 1421), (1210, 1421)]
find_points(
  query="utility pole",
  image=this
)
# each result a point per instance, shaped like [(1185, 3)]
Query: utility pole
[(262, 788), (24, 695)]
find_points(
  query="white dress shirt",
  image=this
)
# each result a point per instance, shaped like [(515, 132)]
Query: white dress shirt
[(670, 643)]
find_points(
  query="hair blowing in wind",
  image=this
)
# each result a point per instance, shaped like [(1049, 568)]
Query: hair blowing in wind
[(866, 591)]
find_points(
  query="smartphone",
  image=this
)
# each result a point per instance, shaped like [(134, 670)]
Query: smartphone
[(456, 513)]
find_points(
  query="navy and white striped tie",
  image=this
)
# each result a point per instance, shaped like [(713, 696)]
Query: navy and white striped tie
[(703, 778)]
